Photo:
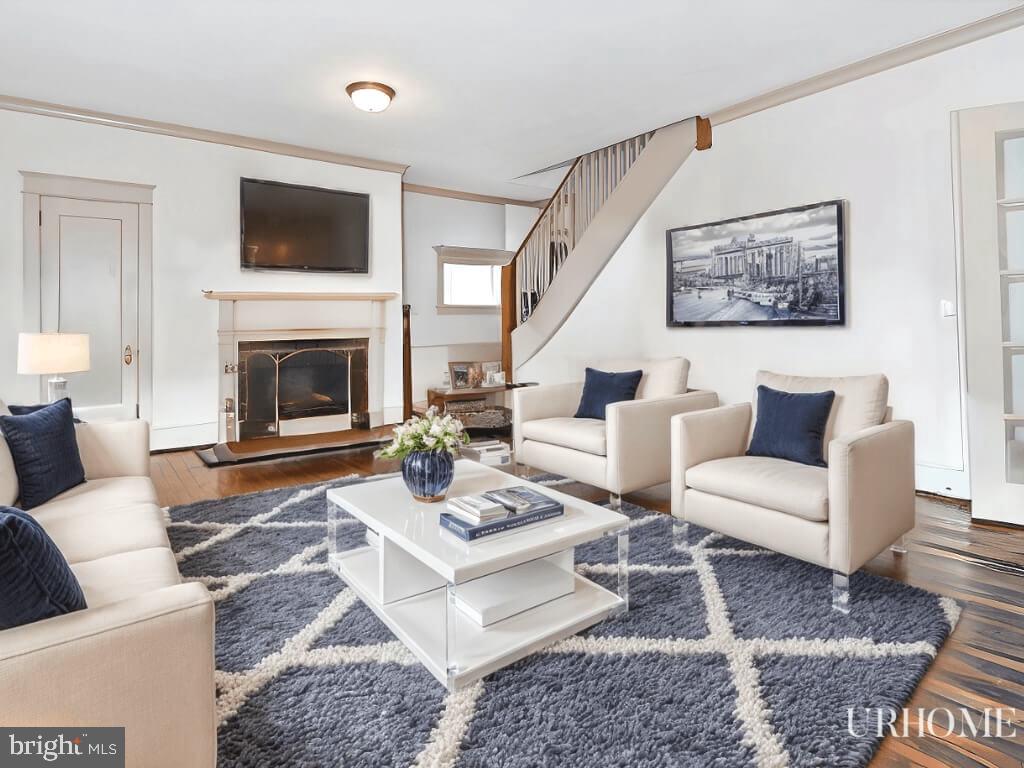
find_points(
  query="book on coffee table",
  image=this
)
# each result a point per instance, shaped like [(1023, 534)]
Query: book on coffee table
[(521, 506)]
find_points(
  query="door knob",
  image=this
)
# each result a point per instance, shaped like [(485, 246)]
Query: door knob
[(128, 355)]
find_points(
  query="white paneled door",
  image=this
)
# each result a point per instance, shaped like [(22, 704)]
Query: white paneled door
[(991, 141), (89, 283)]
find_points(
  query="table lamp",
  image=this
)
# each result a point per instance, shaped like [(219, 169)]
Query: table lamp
[(53, 354)]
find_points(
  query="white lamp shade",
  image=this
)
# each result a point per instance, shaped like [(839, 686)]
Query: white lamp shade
[(41, 353)]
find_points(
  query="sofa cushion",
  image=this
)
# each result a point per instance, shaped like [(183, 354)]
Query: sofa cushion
[(118, 577), (45, 452), (860, 402), (104, 493), (35, 580), (87, 532), (791, 425), (662, 377), (602, 388), (785, 486), (8, 475), (587, 435)]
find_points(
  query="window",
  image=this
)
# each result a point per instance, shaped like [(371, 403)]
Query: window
[(469, 279)]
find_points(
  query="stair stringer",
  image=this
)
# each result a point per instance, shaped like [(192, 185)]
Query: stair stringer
[(664, 154)]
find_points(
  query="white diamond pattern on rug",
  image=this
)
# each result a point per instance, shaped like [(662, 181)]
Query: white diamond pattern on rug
[(720, 661)]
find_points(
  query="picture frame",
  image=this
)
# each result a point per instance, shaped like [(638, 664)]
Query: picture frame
[(465, 375), (491, 374), (779, 268)]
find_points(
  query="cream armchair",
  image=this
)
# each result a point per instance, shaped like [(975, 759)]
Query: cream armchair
[(837, 517), (625, 452)]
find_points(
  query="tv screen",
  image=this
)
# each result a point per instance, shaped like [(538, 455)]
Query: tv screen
[(777, 268), (304, 228)]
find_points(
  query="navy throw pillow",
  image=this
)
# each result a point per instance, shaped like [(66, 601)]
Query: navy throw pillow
[(602, 388), (35, 580), (23, 410), (791, 425), (45, 452)]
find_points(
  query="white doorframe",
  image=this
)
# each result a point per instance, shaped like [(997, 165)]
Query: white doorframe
[(37, 185)]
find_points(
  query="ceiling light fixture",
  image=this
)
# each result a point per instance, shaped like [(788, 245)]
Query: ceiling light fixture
[(369, 96)]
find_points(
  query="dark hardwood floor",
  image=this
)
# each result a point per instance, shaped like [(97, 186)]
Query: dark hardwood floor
[(981, 565)]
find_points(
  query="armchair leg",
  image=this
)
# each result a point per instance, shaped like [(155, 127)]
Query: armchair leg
[(680, 528), (899, 547), (840, 592), (615, 501)]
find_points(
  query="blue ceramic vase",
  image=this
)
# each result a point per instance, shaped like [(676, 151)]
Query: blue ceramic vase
[(428, 474)]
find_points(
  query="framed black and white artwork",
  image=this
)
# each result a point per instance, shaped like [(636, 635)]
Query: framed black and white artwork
[(777, 268)]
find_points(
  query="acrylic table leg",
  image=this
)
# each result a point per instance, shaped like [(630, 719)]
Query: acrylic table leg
[(332, 529), (899, 546), (622, 572), (450, 644), (840, 592)]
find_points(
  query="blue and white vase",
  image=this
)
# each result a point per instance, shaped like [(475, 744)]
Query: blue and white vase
[(428, 474)]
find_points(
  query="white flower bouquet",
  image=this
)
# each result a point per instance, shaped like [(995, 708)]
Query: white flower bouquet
[(432, 432)]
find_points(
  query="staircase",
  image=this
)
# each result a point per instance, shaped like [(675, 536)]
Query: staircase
[(603, 195)]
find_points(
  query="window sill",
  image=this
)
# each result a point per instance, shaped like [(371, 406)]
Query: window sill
[(468, 309)]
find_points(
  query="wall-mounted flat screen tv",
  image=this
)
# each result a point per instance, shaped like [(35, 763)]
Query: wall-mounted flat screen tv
[(306, 229), (777, 268)]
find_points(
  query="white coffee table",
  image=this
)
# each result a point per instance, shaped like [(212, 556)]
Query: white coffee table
[(414, 576)]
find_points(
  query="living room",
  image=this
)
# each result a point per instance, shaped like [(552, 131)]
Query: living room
[(452, 389)]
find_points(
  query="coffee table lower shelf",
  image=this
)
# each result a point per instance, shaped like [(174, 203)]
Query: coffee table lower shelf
[(420, 621)]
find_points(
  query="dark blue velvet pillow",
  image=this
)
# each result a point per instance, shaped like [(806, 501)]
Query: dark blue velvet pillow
[(601, 389), (45, 452), (791, 425), (35, 579), (24, 410)]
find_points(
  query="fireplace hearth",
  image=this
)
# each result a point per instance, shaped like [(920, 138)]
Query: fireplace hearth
[(299, 386)]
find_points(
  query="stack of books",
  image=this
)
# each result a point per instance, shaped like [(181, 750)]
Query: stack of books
[(475, 517), (491, 452)]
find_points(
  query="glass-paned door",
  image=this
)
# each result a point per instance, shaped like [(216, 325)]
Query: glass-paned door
[(991, 153)]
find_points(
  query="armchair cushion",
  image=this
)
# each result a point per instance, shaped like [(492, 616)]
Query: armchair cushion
[(35, 579), (663, 377), (45, 452), (602, 388), (861, 401), (784, 486), (791, 425), (587, 435)]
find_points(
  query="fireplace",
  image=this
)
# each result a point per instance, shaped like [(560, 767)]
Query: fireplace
[(302, 386)]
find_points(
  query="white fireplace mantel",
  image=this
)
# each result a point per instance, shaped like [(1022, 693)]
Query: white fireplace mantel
[(277, 315)]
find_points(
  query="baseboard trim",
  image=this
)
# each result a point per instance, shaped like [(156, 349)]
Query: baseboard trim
[(182, 436), (943, 481)]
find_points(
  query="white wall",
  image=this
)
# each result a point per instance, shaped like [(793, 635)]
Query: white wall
[(431, 220), (195, 246), (882, 143)]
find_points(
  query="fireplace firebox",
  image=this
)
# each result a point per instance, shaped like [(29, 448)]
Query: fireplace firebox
[(302, 386)]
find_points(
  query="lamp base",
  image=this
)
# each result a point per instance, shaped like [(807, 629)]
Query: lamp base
[(56, 388)]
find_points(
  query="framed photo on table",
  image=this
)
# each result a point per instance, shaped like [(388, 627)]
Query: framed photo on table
[(465, 375)]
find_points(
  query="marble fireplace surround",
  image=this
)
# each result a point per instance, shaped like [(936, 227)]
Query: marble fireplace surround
[(245, 316)]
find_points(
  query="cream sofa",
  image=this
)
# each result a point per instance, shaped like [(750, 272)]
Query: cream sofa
[(141, 654), (627, 451), (837, 517)]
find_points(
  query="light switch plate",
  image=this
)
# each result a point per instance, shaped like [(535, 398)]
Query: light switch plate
[(947, 308)]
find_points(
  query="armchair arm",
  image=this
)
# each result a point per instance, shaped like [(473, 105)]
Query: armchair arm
[(870, 492), (638, 438), (114, 448), (544, 402), (145, 663), (705, 436)]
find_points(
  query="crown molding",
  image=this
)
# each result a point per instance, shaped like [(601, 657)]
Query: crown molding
[(47, 109), (421, 189), (895, 57)]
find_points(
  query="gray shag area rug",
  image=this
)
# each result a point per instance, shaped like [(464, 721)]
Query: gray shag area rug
[(729, 656)]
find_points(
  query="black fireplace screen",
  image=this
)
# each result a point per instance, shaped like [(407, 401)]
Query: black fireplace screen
[(282, 380)]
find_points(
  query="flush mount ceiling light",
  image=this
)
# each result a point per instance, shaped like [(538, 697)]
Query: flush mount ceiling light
[(369, 96)]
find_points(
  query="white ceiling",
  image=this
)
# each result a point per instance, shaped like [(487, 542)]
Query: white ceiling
[(487, 91)]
